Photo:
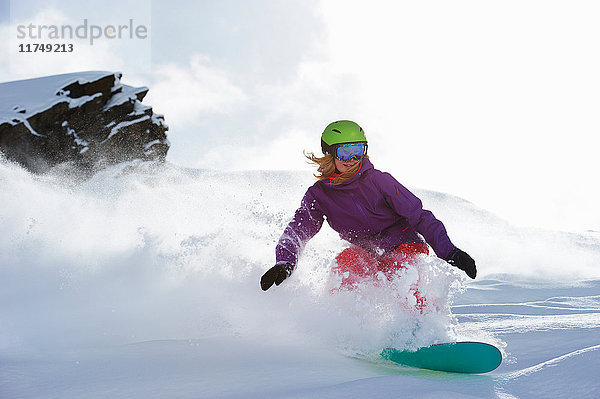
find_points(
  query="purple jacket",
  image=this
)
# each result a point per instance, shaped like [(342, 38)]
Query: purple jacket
[(371, 210)]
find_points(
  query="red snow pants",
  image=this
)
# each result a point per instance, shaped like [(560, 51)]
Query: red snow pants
[(355, 264)]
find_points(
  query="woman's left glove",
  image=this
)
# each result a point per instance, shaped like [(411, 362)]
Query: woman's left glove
[(463, 261), (276, 275)]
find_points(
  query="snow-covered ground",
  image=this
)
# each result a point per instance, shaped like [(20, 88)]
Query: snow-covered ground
[(142, 282)]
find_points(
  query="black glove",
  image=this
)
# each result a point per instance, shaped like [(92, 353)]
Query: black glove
[(463, 261), (276, 275)]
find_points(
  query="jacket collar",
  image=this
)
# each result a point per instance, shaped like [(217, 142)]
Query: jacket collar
[(366, 165)]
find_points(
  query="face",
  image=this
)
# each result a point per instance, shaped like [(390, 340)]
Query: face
[(347, 155), (344, 166)]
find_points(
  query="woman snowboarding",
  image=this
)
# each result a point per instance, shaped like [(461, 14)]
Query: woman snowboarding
[(383, 221)]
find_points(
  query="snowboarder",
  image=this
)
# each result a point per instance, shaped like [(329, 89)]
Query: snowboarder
[(382, 220)]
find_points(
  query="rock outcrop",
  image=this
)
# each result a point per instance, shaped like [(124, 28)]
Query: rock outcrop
[(89, 119)]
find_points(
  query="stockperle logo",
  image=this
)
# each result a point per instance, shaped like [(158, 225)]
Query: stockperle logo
[(84, 31)]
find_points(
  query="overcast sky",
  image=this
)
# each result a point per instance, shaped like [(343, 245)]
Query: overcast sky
[(493, 101)]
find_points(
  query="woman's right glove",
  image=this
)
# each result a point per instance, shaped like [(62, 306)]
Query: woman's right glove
[(463, 261), (276, 275)]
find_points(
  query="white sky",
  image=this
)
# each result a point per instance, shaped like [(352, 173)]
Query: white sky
[(496, 102)]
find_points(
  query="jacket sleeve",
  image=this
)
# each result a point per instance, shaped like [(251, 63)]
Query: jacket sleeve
[(408, 205), (307, 222)]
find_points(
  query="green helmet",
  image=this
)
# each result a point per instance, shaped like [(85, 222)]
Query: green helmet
[(341, 132)]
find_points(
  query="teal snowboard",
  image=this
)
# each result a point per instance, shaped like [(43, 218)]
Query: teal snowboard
[(459, 357)]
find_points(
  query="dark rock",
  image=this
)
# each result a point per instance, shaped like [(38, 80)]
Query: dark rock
[(88, 119)]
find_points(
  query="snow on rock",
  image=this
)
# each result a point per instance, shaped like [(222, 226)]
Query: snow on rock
[(89, 118)]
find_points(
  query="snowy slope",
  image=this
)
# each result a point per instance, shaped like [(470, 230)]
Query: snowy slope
[(143, 282)]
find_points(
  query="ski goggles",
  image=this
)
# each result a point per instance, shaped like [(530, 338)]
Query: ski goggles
[(346, 152)]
